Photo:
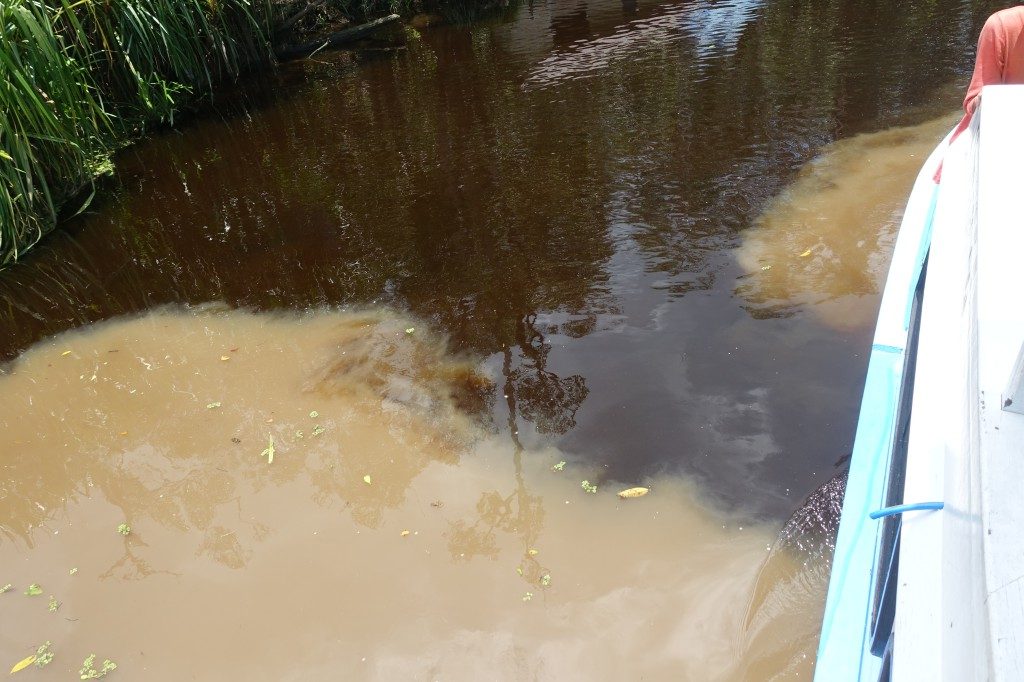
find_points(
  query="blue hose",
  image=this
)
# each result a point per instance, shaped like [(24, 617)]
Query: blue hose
[(899, 509)]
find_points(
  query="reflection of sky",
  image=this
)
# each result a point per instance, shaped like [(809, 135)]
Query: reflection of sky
[(714, 29)]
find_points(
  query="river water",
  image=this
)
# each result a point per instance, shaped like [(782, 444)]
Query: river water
[(643, 239)]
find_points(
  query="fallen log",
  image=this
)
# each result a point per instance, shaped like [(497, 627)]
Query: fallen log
[(346, 35)]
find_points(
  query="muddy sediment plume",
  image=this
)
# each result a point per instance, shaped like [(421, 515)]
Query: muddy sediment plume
[(825, 242), (304, 497)]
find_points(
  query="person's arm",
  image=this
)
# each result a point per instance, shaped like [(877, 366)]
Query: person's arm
[(989, 63)]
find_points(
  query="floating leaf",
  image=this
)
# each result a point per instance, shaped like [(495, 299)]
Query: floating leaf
[(405, 533), (43, 655), (73, 571), (545, 580), (213, 406), (268, 452), (805, 254), (6, 588), (633, 492), (299, 435), (90, 673), (519, 570), (528, 596), (124, 529), (317, 430), (766, 267), (367, 480), (67, 352), (225, 357), (559, 467), (23, 663), (533, 552), (53, 604), (410, 330), (588, 486), (314, 414), (33, 590)]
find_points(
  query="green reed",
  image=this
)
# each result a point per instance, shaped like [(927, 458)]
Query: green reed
[(77, 78)]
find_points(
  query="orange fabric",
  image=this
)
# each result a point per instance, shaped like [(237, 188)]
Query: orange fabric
[(1000, 61), (1000, 57)]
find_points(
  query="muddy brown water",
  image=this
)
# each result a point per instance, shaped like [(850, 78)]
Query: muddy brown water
[(571, 206)]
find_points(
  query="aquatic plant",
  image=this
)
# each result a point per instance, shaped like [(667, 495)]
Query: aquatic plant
[(77, 79), (89, 672)]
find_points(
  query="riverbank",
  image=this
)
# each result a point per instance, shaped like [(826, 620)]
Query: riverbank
[(80, 80)]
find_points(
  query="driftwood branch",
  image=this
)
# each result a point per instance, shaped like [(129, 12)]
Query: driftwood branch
[(343, 36)]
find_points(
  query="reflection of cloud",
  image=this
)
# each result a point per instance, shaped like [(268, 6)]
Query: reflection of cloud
[(825, 241), (714, 29)]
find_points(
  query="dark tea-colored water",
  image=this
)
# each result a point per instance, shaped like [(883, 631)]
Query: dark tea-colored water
[(648, 239)]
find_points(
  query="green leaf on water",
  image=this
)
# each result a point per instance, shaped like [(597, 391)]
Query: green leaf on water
[(588, 486), (367, 480), (528, 596), (545, 580), (300, 435), (559, 467), (268, 452), (317, 430), (410, 330), (73, 571), (53, 604), (33, 590), (88, 672), (124, 529), (6, 588), (314, 414), (43, 655), (213, 406)]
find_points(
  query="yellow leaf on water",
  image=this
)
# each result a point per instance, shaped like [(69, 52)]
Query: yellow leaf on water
[(405, 533), (67, 352), (225, 357), (805, 254), (633, 492), (23, 663), (367, 480)]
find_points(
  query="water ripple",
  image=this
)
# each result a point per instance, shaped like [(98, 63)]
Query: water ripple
[(708, 29)]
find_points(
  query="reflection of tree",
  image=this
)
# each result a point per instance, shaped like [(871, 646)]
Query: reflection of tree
[(437, 190), (130, 566), (518, 513), (542, 397)]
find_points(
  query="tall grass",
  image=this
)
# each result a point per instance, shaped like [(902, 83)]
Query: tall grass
[(79, 77)]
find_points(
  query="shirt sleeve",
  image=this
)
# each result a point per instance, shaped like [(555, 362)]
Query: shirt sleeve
[(990, 61)]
